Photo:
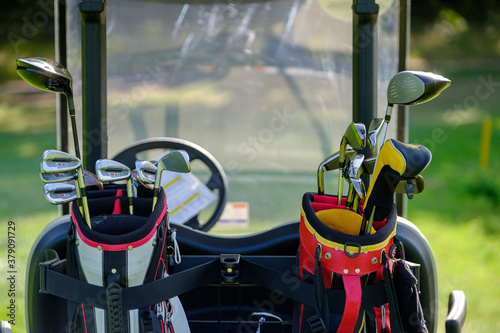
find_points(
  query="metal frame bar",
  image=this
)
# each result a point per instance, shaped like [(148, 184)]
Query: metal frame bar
[(403, 58), (94, 82)]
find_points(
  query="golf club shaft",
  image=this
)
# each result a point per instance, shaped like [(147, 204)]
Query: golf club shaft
[(130, 195), (83, 194), (387, 119), (78, 197), (343, 145), (71, 110)]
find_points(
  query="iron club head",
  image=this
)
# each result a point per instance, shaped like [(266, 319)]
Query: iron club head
[(111, 171), (59, 193), (59, 161), (176, 161), (57, 177), (146, 171)]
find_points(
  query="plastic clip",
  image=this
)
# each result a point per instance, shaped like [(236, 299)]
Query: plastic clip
[(230, 269)]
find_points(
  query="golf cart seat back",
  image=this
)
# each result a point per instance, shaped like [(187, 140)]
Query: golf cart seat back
[(224, 304)]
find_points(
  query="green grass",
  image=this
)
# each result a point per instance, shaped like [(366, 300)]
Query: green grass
[(27, 129), (458, 211)]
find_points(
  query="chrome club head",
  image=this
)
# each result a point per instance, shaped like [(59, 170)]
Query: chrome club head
[(175, 161), (146, 171), (356, 185), (110, 171), (59, 161), (56, 161), (355, 136), (59, 193), (57, 177), (373, 132)]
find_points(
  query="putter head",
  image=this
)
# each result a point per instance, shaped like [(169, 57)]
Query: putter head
[(355, 135), (57, 177), (45, 74), (415, 87), (110, 171), (59, 161), (146, 171), (59, 193), (176, 161)]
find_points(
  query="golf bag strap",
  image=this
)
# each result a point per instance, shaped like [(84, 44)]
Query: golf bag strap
[(319, 322), (395, 317), (300, 291), (352, 285), (63, 286)]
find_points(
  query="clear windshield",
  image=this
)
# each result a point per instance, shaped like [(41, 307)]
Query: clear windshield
[(265, 87)]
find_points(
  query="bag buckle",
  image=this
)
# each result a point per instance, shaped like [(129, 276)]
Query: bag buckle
[(316, 324)]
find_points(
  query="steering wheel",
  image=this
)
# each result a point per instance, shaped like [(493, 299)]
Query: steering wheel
[(217, 181)]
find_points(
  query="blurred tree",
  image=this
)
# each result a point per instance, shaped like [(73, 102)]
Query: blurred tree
[(476, 12)]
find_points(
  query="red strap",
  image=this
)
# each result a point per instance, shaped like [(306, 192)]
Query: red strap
[(117, 209), (352, 286)]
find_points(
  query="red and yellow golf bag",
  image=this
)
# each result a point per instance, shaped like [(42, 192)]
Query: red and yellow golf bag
[(357, 281)]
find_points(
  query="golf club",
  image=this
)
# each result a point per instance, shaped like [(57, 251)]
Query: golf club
[(373, 132), (111, 171), (356, 185), (395, 161), (54, 161), (57, 177), (59, 193), (411, 88), (48, 75), (146, 171), (355, 136), (328, 164), (176, 161)]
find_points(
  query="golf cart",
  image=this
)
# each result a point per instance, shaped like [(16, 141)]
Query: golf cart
[(254, 93)]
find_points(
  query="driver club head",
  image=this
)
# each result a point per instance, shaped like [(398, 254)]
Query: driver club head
[(45, 74), (59, 193), (415, 87), (59, 161)]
